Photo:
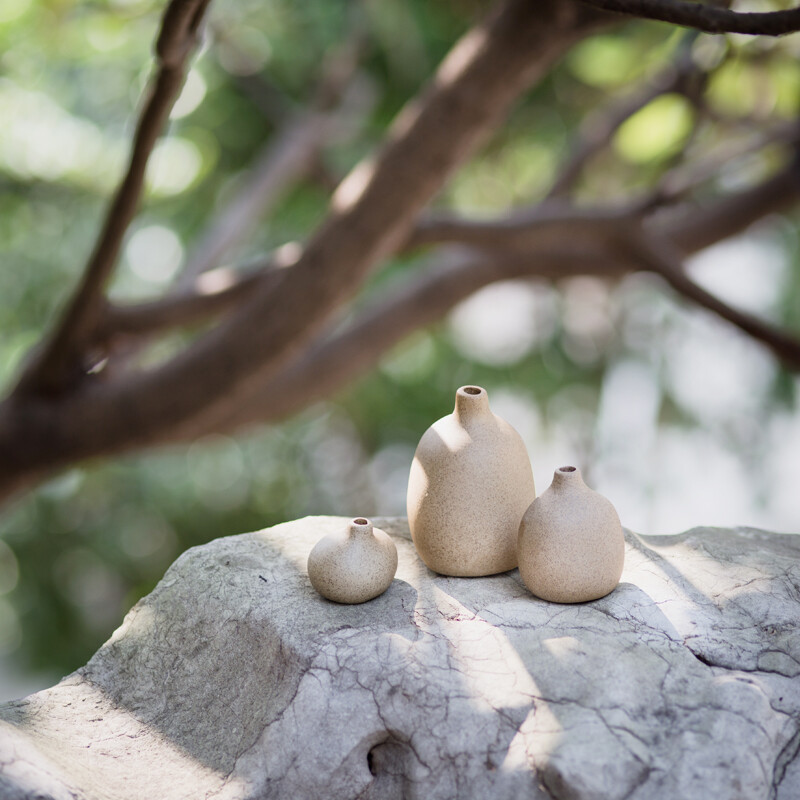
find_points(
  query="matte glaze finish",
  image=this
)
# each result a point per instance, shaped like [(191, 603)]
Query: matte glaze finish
[(469, 486), (354, 564), (571, 546)]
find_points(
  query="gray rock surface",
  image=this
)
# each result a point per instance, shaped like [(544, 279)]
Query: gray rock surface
[(234, 679)]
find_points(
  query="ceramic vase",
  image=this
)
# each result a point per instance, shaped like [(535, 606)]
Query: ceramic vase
[(469, 486), (354, 564), (571, 547)]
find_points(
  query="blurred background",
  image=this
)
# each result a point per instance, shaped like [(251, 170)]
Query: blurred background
[(673, 414)]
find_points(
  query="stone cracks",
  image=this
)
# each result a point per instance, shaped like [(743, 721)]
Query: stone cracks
[(233, 679)]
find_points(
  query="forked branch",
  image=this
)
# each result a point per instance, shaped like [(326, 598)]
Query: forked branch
[(371, 214), (58, 364)]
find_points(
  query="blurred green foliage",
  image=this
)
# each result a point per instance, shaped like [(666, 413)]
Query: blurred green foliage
[(77, 553)]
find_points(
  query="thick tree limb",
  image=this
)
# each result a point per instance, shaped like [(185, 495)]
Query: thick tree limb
[(271, 355), (690, 229), (709, 19), (336, 360), (371, 214), (587, 244), (59, 362), (545, 225), (517, 236)]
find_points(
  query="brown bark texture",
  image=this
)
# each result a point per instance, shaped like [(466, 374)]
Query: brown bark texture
[(273, 342)]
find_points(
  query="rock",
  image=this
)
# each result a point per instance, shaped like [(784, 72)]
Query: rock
[(234, 679)]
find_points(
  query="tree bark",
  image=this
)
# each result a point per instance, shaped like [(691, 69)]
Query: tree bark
[(371, 214)]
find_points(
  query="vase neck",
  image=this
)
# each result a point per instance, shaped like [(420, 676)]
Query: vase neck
[(472, 402), (565, 477), (359, 527)]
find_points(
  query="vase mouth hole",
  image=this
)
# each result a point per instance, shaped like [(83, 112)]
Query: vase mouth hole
[(360, 521), (473, 389), (566, 469)]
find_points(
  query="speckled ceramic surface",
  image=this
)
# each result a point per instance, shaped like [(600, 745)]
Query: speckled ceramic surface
[(571, 546), (469, 486), (354, 564)]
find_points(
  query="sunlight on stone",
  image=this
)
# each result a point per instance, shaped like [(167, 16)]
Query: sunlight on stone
[(562, 646), (541, 733), (79, 741), (490, 666), (138, 621), (295, 549)]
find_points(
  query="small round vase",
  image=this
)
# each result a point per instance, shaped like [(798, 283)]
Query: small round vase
[(469, 486), (571, 547), (354, 564)]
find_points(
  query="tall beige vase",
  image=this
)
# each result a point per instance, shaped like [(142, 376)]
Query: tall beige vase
[(469, 486), (571, 547)]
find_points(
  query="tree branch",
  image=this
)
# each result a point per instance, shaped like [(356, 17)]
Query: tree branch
[(694, 227), (291, 155), (522, 233), (705, 18), (285, 160), (270, 355), (609, 247), (658, 255), (341, 356), (214, 293), (681, 180), (58, 363), (371, 214), (599, 128), (690, 228)]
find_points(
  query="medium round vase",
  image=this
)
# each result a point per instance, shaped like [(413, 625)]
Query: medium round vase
[(469, 486), (354, 564), (571, 547)]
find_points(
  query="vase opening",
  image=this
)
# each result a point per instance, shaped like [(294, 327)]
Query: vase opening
[(566, 469), (360, 521), (473, 389)]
